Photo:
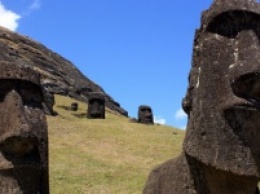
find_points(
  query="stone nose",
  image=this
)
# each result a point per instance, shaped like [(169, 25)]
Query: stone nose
[(247, 86), (14, 121), (246, 53), (148, 113), (244, 73), (96, 107)]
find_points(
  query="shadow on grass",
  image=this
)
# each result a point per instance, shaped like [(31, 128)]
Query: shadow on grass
[(81, 115), (64, 107)]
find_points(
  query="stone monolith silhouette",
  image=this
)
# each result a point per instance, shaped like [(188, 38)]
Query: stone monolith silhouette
[(221, 150), (96, 105), (145, 114)]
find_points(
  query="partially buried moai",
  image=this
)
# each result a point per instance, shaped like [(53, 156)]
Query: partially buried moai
[(221, 150), (96, 105), (74, 106), (23, 132), (145, 114)]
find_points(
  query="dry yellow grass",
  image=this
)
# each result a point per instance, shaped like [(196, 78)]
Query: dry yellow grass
[(104, 156)]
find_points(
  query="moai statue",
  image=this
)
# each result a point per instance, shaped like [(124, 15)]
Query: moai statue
[(74, 106), (221, 150), (145, 115), (23, 134), (96, 105), (133, 120)]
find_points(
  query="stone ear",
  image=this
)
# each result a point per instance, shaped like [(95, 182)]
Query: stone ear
[(187, 100), (186, 104)]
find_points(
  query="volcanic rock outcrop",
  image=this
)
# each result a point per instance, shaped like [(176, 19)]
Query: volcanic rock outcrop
[(58, 75)]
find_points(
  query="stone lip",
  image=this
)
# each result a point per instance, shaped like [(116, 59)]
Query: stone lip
[(58, 75)]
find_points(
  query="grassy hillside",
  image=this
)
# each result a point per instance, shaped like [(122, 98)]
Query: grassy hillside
[(104, 156)]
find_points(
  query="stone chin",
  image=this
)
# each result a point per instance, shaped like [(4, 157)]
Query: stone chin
[(96, 114), (148, 119), (237, 158)]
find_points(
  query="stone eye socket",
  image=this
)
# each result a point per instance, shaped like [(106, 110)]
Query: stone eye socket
[(98, 101), (229, 24), (92, 101), (146, 110), (2, 94), (32, 96), (5, 87), (247, 86), (30, 93)]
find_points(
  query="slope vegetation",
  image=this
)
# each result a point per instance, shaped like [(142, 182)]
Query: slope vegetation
[(104, 156)]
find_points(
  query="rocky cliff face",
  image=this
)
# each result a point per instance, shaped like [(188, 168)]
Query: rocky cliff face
[(58, 75)]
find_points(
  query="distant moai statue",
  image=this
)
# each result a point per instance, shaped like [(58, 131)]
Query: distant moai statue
[(133, 120), (145, 114), (74, 106), (23, 134), (96, 105), (221, 150)]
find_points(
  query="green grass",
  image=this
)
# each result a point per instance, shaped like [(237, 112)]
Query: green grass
[(104, 156)]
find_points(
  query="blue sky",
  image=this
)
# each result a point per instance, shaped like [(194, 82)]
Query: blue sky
[(138, 51)]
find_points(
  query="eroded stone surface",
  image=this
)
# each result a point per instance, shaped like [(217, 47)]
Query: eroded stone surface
[(221, 150), (23, 134)]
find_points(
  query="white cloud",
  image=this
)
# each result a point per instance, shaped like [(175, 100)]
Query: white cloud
[(183, 127), (180, 119), (159, 120), (180, 114), (8, 18), (36, 4)]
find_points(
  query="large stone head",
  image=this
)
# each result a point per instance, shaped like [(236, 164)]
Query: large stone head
[(96, 105), (23, 132), (223, 98), (145, 114)]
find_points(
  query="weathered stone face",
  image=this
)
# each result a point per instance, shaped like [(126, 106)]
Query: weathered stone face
[(145, 114), (221, 150), (223, 99), (96, 106), (23, 133)]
